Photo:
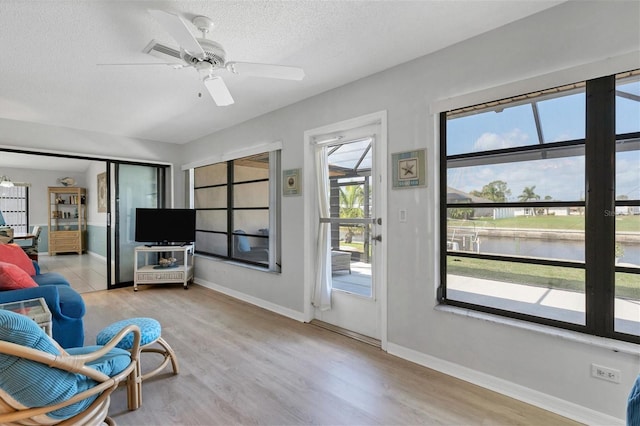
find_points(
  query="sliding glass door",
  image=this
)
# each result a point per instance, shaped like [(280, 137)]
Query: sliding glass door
[(132, 186)]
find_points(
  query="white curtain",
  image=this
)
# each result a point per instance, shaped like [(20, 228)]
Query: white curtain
[(322, 290)]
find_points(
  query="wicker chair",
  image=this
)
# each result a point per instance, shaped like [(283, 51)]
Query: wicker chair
[(32, 249), (6, 234), (22, 365)]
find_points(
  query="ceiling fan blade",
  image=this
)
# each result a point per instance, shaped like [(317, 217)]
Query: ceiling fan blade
[(266, 70), (172, 64), (218, 91), (176, 26)]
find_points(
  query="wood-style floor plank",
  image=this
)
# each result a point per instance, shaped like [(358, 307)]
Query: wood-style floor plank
[(242, 365)]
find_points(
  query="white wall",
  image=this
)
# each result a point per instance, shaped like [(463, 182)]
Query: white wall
[(94, 218), (564, 44)]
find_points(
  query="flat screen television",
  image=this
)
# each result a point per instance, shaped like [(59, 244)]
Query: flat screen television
[(165, 226)]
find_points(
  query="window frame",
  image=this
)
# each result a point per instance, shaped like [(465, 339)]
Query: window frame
[(600, 231), (24, 213), (273, 208)]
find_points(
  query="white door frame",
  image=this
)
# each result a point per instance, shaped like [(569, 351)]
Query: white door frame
[(311, 217)]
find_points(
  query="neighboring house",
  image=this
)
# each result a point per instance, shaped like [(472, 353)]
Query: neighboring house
[(536, 363), (558, 211), (627, 210), (552, 211), (460, 197)]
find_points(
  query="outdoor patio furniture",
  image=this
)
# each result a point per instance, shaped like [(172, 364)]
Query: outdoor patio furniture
[(340, 261)]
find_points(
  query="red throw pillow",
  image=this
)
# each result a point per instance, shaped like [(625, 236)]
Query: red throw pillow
[(13, 253), (12, 277)]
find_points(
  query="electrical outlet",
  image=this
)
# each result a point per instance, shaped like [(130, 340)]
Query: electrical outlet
[(605, 373)]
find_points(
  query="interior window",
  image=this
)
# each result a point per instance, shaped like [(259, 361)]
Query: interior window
[(236, 215)]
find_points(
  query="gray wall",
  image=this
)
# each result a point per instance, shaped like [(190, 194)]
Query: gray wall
[(565, 44), (39, 181)]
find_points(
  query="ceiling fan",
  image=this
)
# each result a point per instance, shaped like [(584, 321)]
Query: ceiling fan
[(208, 57)]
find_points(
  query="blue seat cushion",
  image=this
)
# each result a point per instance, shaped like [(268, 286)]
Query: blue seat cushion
[(50, 278), (33, 384), (150, 331)]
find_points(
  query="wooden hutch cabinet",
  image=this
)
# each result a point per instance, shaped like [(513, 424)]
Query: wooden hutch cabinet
[(67, 220)]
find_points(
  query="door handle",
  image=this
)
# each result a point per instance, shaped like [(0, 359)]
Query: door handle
[(378, 238), (379, 221)]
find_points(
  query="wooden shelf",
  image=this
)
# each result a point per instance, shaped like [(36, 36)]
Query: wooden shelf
[(67, 220)]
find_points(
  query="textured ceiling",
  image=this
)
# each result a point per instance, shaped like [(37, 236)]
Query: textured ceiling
[(50, 51)]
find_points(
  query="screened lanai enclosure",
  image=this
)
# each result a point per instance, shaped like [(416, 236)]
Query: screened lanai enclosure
[(351, 202)]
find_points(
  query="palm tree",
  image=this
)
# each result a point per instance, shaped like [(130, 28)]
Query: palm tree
[(351, 200), (528, 194)]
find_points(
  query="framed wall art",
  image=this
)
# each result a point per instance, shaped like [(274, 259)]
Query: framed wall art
[(102, 192), (409, 169), (291, 182)]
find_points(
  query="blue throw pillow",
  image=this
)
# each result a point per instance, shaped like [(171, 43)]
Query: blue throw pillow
[(242, 241)]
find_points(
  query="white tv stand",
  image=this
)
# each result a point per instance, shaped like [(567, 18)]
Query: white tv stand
[(147, 273)]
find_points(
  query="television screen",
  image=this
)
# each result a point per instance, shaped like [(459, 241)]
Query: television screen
[(165, 226)]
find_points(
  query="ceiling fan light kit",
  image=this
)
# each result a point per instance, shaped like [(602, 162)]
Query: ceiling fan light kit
[(218, 90), (208, 56)]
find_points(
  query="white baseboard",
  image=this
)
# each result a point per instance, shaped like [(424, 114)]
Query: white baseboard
[(90, 253), (547, 402), (97, 256), (289, 313)]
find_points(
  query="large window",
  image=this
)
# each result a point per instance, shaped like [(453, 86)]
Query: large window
[(14, 205), (237, 209), (540, 215)]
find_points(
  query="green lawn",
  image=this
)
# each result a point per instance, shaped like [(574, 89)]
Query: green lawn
[(623, 223), (352, 246), (627, 285)]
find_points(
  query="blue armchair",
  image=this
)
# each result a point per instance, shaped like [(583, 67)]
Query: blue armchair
[(66, 306)]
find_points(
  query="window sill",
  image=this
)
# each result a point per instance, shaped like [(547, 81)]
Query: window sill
[(236, 263), (600, 342)]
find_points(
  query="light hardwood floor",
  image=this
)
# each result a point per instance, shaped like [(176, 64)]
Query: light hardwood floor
[(242, 365), (84, 272)]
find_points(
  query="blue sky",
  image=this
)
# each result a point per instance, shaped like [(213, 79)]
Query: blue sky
[(561, 119)]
